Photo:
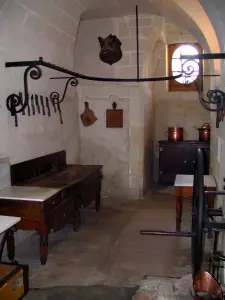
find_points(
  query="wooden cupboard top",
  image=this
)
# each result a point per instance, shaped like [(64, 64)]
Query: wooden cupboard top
[(184, 143), (183, 180), (28, 193)]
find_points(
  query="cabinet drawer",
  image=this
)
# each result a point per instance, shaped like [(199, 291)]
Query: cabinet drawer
[(61, 215), (52, 203)]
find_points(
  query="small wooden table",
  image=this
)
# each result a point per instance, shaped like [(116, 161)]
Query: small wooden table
[(28, 205), (6, 223), (184, 188)]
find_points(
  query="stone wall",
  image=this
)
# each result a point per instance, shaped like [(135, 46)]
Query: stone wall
[(28, 30), (174, 109), (126, 162)]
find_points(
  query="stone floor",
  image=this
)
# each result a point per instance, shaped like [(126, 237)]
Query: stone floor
[(108, 249)]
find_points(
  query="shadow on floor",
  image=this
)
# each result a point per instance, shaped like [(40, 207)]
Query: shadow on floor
[(82, 293), (108, 250)]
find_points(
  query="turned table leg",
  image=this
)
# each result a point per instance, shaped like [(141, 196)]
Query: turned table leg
[(11, 244), (76, 220), (98, 197), (210, 205), (178, 208), (43, 246), (98, 202)]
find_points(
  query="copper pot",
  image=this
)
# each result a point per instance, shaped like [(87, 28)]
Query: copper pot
[(204, 133), (206, 287), (175, 134)]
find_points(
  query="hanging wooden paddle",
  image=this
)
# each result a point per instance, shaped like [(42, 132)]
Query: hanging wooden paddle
[(88, 117)]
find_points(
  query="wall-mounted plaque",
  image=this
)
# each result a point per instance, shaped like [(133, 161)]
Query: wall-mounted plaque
[(114, 117)]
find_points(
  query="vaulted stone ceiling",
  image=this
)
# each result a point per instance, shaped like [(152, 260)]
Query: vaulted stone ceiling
[(165, 8), (187, 14)]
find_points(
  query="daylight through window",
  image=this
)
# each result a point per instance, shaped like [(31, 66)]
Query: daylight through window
[(191, 67), (190, 80)]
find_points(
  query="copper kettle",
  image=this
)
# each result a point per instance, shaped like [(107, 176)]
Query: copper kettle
[(204, 133)]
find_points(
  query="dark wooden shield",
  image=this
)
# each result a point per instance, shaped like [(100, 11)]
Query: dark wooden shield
[(110, 49)]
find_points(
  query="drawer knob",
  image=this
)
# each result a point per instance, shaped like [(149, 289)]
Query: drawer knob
[(185, 161), (193, 161), (53, 203)]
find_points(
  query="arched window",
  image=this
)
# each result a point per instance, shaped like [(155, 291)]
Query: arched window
[(175, 63)]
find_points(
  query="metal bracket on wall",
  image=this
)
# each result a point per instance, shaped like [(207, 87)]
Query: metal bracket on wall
[(16, 103), (216, 96)]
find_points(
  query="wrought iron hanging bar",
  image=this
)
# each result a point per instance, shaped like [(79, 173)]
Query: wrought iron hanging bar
[(204, 56), (137, 41), (15, 103), (34, 63)]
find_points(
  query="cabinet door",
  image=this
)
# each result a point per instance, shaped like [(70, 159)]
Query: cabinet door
[(206, 153), (170, 163), (189, 165)]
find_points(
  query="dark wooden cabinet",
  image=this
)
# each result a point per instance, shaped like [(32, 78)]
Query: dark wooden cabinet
[(179, 158)]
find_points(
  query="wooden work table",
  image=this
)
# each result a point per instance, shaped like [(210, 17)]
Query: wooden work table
[(184, 188), (47, 194)]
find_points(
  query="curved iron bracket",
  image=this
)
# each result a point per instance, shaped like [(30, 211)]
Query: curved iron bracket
[(55, 97), (14, 102), (216, 96)]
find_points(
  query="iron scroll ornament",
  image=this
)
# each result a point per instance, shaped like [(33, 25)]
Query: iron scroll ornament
[(14, 102), (216, 96), (55, 96)]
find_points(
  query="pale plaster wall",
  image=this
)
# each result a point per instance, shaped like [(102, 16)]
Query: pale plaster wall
[(132, 152), (174, 109), (28, 30)]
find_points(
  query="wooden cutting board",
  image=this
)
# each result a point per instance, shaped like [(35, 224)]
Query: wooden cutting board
[(114, 117)]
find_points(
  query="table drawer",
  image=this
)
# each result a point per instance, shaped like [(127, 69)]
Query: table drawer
[(23, 209), (61, 215), (54, 202)]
